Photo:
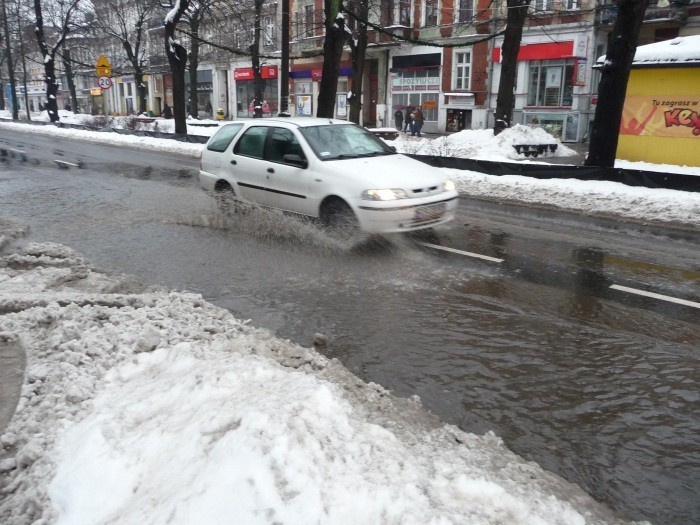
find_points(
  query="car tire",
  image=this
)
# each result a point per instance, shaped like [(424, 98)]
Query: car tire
[(339, 219)]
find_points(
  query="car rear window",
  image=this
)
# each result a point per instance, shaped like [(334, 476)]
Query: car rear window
[(222, 138)]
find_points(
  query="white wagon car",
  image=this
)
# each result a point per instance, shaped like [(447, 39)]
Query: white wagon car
[(329, 169)]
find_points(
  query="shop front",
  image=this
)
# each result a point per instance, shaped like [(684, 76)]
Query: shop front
[(244, 80), (415, 81), (304, 91)]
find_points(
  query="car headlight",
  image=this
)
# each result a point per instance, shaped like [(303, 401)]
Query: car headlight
[(384, 195), (448, 185)]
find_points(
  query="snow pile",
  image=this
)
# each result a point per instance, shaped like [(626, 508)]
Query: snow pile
[(146, 406), (481, 144), (680, 49), (599, 198)]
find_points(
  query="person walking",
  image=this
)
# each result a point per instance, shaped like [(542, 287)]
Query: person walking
[(417, 124), (407, 119), (167, 112), (398, 119)]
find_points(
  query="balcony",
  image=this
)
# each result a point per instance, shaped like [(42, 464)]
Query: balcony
[(675, 14)]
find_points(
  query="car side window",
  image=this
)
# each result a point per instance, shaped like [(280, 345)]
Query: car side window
[(222, 138), (283, 142), (252, 142)]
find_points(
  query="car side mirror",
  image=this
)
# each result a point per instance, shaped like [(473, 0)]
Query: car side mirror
[(295, 160)]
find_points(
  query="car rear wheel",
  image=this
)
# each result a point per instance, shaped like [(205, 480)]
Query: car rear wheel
[(339, 219), (225, 198)]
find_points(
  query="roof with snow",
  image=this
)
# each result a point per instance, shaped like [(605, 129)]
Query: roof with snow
[(681, 50)]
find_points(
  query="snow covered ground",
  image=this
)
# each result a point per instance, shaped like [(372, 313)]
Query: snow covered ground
[(607, 199), (149, 406)]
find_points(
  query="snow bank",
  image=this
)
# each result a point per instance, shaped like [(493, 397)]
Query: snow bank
[(145, 406)]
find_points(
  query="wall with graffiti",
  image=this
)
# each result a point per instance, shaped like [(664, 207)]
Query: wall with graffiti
[(661, 117)]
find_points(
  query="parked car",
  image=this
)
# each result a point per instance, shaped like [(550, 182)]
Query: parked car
[(332, 170)]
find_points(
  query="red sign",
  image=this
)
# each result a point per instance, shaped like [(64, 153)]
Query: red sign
[(316, 74), (246, 73), (543, 51)]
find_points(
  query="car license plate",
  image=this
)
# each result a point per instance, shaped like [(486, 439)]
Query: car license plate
[(431, 212)]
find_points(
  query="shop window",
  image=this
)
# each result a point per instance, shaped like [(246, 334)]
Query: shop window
[(551, 83), (461, 70), (432, 10), (466, 11)]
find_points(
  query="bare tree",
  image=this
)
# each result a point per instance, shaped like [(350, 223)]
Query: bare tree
[(177, 59), (127, 23), (62, 16), (22, 22), (622, 45), (358, 48), (515, 20)]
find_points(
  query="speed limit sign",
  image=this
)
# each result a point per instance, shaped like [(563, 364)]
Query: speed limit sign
[(104, 82)]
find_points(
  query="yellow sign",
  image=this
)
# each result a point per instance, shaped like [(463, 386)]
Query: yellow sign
[(103, 68), (95, 92), (661, 116)]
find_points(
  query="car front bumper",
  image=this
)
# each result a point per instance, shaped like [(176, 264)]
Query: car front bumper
[(382, 217)]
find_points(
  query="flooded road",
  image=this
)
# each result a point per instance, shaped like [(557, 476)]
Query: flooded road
[(594, 384)]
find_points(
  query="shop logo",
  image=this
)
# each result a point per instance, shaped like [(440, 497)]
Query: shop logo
[(683, 117)]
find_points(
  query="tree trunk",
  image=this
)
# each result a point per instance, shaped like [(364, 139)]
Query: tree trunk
[(49, 61), (515, 20), (255, 56), (70, 79), (138, 74), (622, 45), (358, 62), (10, 69), (332, 53), (194, 64), (284, 63), (177, 59)]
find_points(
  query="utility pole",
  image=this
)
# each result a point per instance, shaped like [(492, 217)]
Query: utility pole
[(284, 66)]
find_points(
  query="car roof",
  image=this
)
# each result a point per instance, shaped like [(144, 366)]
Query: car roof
[(302, 122)]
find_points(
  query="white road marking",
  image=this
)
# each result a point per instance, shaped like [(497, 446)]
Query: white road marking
[(656, 296), (65, 164), (460, 252)]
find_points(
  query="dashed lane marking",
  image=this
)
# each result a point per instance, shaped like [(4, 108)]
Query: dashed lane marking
[(461, 252), (653, 295)]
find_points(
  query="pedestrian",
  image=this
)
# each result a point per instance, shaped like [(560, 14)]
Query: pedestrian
[(208, 108), (167, 112), (417, 123), (398, 119), (407, 119), (68, 107)]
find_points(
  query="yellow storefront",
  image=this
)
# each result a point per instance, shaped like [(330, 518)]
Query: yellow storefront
[(661, 116)]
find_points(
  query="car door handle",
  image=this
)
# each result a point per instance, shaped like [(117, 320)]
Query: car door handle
[(270, 170), (233, 162)]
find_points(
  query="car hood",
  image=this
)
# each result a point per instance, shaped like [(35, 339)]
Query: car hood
[(388, 171)]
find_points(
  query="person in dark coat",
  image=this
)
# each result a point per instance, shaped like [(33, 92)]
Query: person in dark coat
[(407, 119), (398, 119), (167, 112)]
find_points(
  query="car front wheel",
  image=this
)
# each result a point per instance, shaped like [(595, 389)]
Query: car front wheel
[(337, 216)]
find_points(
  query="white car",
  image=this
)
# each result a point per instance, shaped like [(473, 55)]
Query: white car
[(329, 169)]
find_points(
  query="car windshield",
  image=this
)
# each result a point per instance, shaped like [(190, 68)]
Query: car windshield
[(343, 141)]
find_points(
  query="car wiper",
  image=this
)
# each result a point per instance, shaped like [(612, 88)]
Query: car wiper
[(347, 156)]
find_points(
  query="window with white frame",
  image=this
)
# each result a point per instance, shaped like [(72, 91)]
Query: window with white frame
[(405, 13), (308, 20), (432, 11), (269, 31), (461, 71), (465, 12), (571, 5), (542, 5)]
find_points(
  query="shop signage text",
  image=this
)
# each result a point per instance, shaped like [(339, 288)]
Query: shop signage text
[(661, 117), (246, 73)]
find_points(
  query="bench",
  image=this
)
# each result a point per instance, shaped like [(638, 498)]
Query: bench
[(534, 149), (144, 120)]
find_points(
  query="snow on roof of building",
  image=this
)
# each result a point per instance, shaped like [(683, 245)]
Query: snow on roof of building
[(681, 49)]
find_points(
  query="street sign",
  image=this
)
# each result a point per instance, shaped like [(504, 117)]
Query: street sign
[(103, 68), (104, 82)]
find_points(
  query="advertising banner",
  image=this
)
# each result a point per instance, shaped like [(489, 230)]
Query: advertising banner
[(663, 116)]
